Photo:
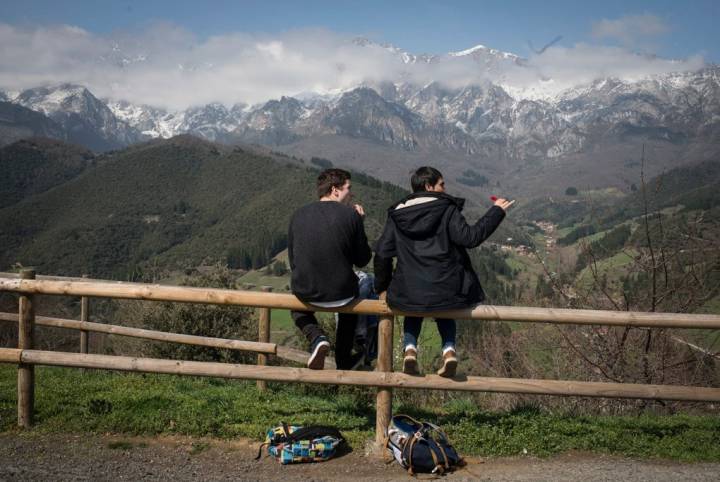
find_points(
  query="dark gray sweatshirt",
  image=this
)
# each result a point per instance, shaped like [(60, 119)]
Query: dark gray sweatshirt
[(325, 240)]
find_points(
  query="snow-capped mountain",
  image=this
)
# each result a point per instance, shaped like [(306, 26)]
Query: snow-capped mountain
[(483, 119), (211, 121), (477, 119), (86, 119)]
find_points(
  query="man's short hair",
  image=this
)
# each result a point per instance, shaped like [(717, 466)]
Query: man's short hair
[(329, 179), (424, 176)]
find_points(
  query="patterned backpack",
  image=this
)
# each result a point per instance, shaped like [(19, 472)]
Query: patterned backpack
[(290, 444), (421, 447)]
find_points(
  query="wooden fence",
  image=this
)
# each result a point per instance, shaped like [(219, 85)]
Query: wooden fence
[(384, 379)]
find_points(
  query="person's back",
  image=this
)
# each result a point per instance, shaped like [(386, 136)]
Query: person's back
[(433, 270), (325, 240)]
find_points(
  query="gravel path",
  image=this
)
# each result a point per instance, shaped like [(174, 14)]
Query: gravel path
[(32, 456)]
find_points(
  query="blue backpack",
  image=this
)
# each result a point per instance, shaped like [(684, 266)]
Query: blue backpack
[(421, 447), (290, 444)]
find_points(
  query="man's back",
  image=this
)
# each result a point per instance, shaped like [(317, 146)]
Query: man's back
[(325, 240)]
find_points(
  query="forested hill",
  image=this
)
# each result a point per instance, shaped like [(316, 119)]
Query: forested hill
[(172, 204), (34, 165)]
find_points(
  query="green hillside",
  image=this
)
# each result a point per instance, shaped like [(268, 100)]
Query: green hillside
[(172, 204), (32, 166)]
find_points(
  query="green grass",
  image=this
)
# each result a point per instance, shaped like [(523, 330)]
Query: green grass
[(258, 278), (607, 266), (281, 320), (68, 401), (592, 237), (562, 232)]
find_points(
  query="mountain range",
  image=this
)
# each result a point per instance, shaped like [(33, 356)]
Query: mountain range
[(590, 135)]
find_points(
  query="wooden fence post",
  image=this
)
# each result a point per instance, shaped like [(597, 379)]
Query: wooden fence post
[(383, 410), (26, 373), (84, 316), (263, 336)]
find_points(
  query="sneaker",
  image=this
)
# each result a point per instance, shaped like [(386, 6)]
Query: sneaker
[(319, 350), (450, 363), (410, 363)]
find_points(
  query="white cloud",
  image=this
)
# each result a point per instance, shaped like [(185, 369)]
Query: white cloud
[(583, 63), (167, 66), (630, 29)]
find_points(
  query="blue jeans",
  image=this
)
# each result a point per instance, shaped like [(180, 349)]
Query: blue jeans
[(413, 324)]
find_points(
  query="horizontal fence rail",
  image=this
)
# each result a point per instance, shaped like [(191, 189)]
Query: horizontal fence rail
[(156, 292), (269, 348), (369, 379)]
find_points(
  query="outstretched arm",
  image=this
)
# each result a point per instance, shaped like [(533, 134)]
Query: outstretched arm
[(470, 236)]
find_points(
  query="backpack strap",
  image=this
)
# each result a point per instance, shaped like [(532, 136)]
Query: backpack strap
[(286, 429), (410, 441), (260, 450), (442, 451), (446, 440), (438, 466)]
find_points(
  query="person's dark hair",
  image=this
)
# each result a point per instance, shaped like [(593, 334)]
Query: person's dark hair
[(329, 179), (424, 176)]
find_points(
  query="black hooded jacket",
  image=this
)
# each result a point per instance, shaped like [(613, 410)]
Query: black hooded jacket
[(428, 235)]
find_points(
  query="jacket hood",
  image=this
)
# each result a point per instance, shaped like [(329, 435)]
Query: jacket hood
[(419, 214)]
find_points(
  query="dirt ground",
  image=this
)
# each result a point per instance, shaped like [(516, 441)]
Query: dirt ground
[(32, 456)]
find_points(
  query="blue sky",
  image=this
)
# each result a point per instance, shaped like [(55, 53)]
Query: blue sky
[(683, 28)]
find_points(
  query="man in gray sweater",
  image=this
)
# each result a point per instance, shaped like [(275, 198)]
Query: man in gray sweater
[(325, 239)]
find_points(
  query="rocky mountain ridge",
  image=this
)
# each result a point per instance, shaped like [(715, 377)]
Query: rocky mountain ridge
[(480, 120)]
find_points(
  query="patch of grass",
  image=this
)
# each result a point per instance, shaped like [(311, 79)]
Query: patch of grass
[(258, 278), (609, 266), (142, 404), (281, 321)]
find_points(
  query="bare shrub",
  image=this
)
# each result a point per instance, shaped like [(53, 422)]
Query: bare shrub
[(232, 322)]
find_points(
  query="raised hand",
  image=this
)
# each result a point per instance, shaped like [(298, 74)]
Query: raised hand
[(359, 210), (504, 203)]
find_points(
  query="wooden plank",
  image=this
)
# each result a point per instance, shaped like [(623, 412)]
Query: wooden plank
[(269, 348), (10, 355), (156, 292), (383, 401), (84, 316), (26, 340), (371, 379), (263, 337)]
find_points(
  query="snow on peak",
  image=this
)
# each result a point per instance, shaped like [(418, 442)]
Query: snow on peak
[(469, 51), (479, 47)]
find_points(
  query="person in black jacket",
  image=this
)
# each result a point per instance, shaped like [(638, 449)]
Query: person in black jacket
[(428, 235), (325, 239)]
